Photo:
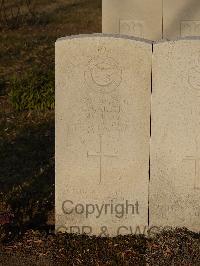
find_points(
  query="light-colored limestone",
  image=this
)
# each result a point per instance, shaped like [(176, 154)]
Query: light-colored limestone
[(175, 141), (181, 18), (102, 131), (140, 18)]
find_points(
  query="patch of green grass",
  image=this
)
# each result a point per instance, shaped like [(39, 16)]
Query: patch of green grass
[(33, 91)]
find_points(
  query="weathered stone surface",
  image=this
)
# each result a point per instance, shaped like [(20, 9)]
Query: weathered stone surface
[(175, 141), (103, 89), (140, 18), (181, 18)]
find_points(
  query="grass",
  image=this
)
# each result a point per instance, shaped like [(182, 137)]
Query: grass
[(32, 43), (34, 90), (28, 44)]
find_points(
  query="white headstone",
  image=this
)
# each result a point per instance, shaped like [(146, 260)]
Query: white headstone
[(181, 18), (102, 134), (139, 18), (175, 141)]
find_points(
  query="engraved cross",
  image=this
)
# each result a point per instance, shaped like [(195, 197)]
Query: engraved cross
[(196, 160), (101, 155)]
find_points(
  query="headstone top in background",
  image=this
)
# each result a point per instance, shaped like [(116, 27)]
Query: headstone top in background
[(140, 18), (152, 19), (102, 134), (181, 18)]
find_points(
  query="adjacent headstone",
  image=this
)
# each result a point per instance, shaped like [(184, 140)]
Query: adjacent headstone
[(139, 18), (175, 141), (103, 89), (181, 18)]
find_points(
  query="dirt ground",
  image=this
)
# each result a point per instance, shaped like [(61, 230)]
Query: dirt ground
[(179, 247)]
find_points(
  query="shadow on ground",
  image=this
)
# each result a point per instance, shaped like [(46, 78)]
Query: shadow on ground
[(27, 169)]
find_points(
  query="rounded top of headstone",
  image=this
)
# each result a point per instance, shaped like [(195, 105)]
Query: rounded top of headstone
[(102, 35)]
